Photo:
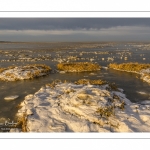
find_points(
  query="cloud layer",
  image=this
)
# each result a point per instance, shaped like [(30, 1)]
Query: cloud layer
[(69, 23), (74, 29)]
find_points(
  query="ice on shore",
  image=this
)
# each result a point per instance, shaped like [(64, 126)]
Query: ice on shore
[(141, 92), (13, 97), (68, 107)]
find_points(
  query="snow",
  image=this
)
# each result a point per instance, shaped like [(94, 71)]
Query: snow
[(24, 72), (145, 75), (68, 107), (146, 102)]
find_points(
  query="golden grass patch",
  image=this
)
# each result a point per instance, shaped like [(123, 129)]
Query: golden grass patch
[(2, 69), (88, 81), (130, 67), (78, 67), (22, 123)]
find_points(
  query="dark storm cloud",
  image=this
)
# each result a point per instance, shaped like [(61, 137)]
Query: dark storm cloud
[(69, 23)]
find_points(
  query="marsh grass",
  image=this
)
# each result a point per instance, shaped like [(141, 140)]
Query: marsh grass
[(78, 67), (112, 87), (54, 83), (109, 113), (37, 67), (130, 67), (88, 81), (106, 111), (22, 122), (2, 69)]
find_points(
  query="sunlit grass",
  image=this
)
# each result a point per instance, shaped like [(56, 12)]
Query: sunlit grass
[(88, 81), (131, 67), (78, 67), (22, 123)]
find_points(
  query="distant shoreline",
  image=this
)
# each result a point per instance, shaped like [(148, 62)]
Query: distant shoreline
[(74, 41)]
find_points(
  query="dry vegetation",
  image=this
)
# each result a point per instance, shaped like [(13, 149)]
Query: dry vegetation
[(133, 67), (2, 69), (109, 111), (88, 81), (78, 67), (22, 123), (130, 67), (111, 86), (106, 111)]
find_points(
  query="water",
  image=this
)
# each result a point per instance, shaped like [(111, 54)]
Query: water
[(50, 54)]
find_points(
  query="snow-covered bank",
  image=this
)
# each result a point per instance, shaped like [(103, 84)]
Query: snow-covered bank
[(23, 72), (145, 75), (68, 107)]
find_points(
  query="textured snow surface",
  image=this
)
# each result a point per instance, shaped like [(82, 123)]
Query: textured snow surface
[(75, 108), (23, 72)]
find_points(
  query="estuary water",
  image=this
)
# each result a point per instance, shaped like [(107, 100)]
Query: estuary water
[(51, 54)]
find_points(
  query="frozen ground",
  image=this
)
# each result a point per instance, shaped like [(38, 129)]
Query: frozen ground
[(67, 107)]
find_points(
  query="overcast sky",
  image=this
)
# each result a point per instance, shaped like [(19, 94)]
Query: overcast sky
[(74, 29)]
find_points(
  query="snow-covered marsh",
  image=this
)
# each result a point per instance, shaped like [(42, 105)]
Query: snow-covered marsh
[(14, 73), (70, 107)]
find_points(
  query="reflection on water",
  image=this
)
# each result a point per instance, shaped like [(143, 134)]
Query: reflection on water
[(133, 87)]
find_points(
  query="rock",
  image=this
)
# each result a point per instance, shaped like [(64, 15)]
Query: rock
[(13, 97)]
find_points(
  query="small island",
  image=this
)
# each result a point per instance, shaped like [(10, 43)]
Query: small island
[(78, 67), (31, 71)]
